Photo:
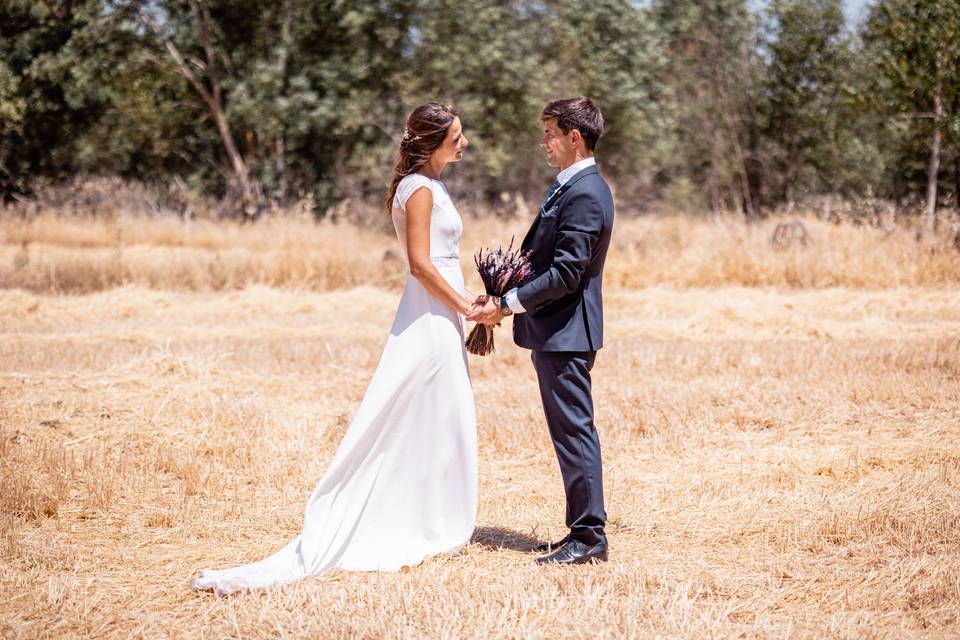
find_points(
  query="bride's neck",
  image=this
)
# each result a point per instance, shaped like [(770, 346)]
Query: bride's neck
[(432, 169)]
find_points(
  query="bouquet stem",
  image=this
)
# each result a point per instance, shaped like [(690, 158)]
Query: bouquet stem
[(480, 340)]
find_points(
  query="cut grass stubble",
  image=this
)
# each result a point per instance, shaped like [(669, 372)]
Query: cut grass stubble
[(777, 462)]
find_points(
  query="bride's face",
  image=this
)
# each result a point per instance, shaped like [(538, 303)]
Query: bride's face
[(451, 150)]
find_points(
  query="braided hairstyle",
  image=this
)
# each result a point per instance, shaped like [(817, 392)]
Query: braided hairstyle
[(426, 130)]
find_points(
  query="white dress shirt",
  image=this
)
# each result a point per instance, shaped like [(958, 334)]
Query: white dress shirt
[(562, 178)]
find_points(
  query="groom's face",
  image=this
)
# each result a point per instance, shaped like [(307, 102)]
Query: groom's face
[(561, 148)]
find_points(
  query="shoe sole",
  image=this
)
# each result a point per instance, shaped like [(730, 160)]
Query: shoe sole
[(593, 560), (590, 560)]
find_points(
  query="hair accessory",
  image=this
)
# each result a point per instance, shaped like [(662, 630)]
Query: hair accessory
[(407, 136)]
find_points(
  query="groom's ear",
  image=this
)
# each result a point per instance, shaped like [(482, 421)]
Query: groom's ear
[(576, 137)]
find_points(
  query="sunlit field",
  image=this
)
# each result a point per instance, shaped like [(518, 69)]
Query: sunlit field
[(780, 430)]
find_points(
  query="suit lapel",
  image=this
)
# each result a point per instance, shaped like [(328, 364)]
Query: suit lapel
[(592, 169), (526, 239)]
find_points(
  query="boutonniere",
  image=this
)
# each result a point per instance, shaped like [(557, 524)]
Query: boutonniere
[(551, 212)]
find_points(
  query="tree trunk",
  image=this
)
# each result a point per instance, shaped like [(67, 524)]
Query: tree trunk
[(734, 134), (934, 169), (956, 181), (286, 43), (748, 210), (790, 171), (713, 187), (213, 98), (240, 172), (788, 179), (714, 190), (281, 171)]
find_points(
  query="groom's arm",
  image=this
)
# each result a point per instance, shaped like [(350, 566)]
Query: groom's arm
[(579, 226)]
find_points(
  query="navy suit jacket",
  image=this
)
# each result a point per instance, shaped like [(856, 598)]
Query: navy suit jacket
[(568, 242)]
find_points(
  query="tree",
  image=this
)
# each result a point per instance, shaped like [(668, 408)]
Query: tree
[(612, 51), (808, 66), (49, 96), (12, 109), (713, 65), (486, 57), (203, 72), (919, 53)]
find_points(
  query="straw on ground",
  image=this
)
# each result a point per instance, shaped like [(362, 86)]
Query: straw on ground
[(779, 461)]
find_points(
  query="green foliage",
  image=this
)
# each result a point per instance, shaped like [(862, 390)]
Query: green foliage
[(615, 54), (807, 118), (484, 56), (707, 103), (711, 95), (919, 49), (915, 47)]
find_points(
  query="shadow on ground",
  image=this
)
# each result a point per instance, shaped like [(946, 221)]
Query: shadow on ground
[(500, 538)]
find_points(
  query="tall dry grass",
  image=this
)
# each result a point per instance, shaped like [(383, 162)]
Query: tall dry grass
[(58, 253), (780, 460)]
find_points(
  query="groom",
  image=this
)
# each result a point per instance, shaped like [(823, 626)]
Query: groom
[(559, 316)]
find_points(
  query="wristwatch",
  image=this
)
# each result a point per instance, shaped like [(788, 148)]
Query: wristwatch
[(505, 309)]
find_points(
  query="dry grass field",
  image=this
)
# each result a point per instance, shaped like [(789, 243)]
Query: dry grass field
[(780, 430)]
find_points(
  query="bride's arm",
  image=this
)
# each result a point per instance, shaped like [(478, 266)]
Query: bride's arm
[(418, 208)]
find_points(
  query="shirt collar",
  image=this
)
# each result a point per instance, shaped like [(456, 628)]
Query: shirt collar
[(574, 169)]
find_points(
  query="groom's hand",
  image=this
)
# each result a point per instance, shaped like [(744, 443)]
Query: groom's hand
[(490, 312)]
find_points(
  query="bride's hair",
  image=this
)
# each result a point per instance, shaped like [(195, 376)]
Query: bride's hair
[(425, 131)]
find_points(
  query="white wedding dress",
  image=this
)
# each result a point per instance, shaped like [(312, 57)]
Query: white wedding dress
[(402, 485)]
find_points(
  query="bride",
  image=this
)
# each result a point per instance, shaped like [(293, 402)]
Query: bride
[(402, 485)]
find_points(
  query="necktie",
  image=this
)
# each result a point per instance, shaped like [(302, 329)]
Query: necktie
[(552, 190)]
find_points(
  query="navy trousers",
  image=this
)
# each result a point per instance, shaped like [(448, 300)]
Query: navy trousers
[(564, 378)]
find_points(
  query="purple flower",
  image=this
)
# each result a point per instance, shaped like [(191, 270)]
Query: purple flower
[(503, 269), (500, 271)]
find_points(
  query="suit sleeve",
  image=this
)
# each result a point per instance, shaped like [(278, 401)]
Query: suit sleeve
[(579, 226)]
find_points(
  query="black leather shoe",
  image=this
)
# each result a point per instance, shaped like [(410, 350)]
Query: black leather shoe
[(547, 547), (576, 552)]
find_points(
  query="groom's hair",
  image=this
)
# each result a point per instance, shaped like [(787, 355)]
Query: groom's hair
[(577, 113)]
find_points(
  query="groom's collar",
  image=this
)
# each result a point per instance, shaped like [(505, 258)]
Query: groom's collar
[(564, 176), (589, 169)]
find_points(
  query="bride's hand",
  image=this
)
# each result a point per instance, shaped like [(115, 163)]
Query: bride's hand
[(475, 313), (476, 306), (486, 312)]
